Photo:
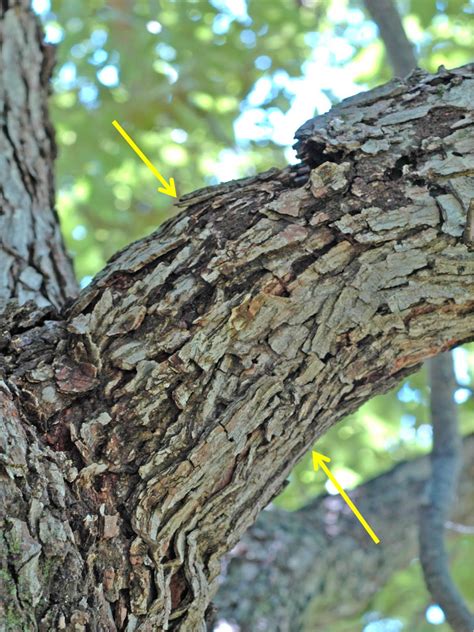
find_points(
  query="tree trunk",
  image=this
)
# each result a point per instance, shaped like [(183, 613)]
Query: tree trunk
[(290, 569), (33, 261), (147, 423)]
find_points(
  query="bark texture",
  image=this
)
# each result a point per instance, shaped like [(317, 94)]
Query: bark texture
[(35, 535), (147, 423), (442, 487), (33, 261), (288, 572)]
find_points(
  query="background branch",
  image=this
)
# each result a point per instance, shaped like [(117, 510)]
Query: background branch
[(399, 48), (34, 264), (290, 569), (435, 508), (446, 437)]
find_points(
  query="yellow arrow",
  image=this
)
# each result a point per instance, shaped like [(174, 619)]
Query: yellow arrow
[(168, 188), (321, 460)]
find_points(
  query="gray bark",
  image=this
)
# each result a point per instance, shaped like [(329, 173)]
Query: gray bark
[(33, 261), (440, 495), (291, 569), (399, 48), (446, 451), (147, 423)]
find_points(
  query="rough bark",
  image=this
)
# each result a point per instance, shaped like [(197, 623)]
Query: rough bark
[(290, 569), (34, 267), (147, 424), (33, 261), (446, 449)]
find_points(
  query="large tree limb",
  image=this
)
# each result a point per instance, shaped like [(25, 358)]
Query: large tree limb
[(178, 391), (446, 450), (290, 569)]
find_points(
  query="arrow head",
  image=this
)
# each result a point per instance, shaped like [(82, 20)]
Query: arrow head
[(318, 459), (169, 188)]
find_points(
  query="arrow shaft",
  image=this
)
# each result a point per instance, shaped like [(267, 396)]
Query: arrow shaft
[(139, 153), (360, 517)]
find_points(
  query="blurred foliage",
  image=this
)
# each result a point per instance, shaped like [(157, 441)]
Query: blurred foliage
[(212, 90), (176, 75), (203, 87), (402, 605)]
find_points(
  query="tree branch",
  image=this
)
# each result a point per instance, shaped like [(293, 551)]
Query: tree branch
[(435, 509), (446, 437), (185, 382), (289, 570), (399, 48)]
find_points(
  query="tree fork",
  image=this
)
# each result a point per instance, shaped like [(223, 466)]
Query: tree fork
[(146, 423)]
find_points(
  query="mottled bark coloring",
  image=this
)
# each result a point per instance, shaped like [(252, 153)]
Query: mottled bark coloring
[(145, 424)]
